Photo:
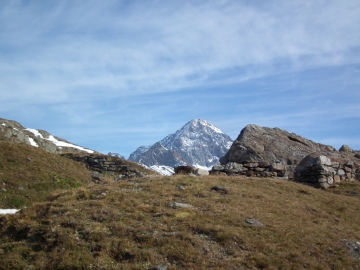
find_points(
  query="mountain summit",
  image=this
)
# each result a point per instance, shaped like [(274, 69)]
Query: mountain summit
[(197, 143)]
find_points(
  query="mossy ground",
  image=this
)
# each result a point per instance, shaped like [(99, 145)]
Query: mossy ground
[(129, 225)]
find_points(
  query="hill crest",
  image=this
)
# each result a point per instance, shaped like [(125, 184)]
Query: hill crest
[(13, 131)]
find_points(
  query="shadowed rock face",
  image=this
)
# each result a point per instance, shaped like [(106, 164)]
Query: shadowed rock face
[(257, 143)]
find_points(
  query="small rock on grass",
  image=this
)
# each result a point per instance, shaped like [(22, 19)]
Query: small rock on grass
[(253, 222), (352, 193), (180, 205), (353, 246), (96, 176), (160, 267), (180, 187), (220, 189)]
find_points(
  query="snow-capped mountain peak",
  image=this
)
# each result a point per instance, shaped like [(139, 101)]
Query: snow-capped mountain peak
[(202, 123), (198, 142)]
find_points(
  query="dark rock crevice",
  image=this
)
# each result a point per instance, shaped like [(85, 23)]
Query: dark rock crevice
[(294, 139)]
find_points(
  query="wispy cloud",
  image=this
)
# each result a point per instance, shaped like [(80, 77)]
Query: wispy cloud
[(168, 45), (97, 63)]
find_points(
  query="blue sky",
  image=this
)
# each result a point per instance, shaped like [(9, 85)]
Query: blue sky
[(114, 75)]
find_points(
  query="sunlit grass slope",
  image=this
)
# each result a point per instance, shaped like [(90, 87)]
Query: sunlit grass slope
[(130, 225), (28, 174)]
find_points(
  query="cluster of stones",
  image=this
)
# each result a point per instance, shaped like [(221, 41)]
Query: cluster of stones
[(106, 164), (252, 168), (321, 172)]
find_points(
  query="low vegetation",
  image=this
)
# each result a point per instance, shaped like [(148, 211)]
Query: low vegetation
[(28, 174), (130, 224)]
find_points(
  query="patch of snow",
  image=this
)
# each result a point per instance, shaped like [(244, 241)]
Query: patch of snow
[(205, 123), (8, 211), (162, 169), (186, 141), (163, 147), (32, 142), (3, 124), (213, 159), (52, 139), (202, 167), (228, 145), (65, 144), (35, 132)]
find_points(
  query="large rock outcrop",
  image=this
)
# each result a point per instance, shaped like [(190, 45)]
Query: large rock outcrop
[(272, 145), (268, 152)]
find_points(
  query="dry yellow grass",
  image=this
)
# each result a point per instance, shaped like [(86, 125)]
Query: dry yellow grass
[(130, 225)]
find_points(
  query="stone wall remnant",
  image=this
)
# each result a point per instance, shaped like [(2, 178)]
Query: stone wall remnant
[(322, 172), (108, 165), (253, 168)]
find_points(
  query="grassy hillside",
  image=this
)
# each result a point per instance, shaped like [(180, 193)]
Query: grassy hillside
[(28, 174), (130, 225)]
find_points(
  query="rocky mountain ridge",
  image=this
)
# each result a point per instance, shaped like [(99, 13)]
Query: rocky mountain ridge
[(138, 152), (13, 131), (197, 143)]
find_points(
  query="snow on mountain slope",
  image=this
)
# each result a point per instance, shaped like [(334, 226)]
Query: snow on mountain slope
[(198, 143), (13, 131), (164, 170), (57, 142), (161, 169)]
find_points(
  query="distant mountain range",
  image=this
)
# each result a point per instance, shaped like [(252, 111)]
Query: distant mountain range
[(197, 143), (13, 131)]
